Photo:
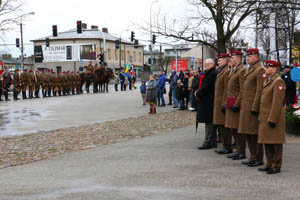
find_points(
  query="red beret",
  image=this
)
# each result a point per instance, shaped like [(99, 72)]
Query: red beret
[(30, 70), (78, 72), (37, 71), (223, 55), (252, 51), (64, 72), (272, 63), (25, 70), (236, 53)]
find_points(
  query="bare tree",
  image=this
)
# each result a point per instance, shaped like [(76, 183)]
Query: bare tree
[(10, 13)]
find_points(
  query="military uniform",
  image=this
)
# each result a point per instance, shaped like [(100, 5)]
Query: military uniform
[(25, 83), (17, 84), (248, 118), (49, 83), (55, 83), (78, 82), (271, 128), (219, 101), (31, 83), (60, 83), (44, 84), (233, 101), (38, 82)]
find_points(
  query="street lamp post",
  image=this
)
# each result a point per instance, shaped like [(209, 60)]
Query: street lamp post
[(120, 57), (151, 45), (22, 43)]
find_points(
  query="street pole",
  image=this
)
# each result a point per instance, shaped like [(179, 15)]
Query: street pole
[(151, 31), (104, 46), (22, 43), (22, 46), (120, 58)]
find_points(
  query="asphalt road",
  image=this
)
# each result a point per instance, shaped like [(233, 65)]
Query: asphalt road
[(159, 167), (33, 115)]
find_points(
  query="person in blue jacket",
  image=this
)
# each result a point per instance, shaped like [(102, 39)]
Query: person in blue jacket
[(161, 87), (174, 87)]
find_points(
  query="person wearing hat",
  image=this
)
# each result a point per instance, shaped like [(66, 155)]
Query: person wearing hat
[(290, 93), (232, 103), (38, 82), (17, 84), (250, 94), (44, 83), (25, 83), (271, 127), (219, 111)]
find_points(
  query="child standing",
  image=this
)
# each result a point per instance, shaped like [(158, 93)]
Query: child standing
[(143, 91), (151, 94)]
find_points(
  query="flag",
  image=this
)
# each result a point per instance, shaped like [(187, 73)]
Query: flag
[(127, 68), (131, 71)]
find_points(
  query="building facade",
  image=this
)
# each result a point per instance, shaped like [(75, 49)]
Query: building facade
[(74, 51)]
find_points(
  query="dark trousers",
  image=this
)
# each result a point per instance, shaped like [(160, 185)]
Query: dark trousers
[(274, 155), (226, 136), (256, 150), (210, 135), (170, 96), (240, 140), (116, 87), (122, 85)]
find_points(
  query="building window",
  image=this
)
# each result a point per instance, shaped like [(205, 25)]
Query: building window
[(134, 56), (109, 54)]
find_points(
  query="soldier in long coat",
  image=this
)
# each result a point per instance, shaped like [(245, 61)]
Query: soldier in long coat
[(44, 83), (220, 98), (233, 103), (55, 83), (78, 82), (25, 83), (32, 83), (38, 82), (64, 83), (17, 84), (250, 96), (271, 128), (60, 83)]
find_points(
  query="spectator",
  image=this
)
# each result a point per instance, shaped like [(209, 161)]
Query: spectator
[(180, 94), (194, 87), (170, 89), (185, 90), (122, 79), (143, 91), (205, 95), (174, 88), (290, 92), (181, 76), (156, 80), (116, 80), (133, 81), (161, 87), (151, 94)]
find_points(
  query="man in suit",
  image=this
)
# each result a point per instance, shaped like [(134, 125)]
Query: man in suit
[(290, 93), (205, 96), (271, 128)]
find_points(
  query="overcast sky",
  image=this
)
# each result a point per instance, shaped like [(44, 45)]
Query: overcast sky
[(116, 15)]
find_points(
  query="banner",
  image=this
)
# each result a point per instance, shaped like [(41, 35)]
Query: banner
[(182, 65)]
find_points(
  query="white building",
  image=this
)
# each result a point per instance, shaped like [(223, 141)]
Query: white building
[(73, 51)]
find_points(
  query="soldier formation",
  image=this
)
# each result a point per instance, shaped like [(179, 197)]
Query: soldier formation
[(30, 84), (248, 106)]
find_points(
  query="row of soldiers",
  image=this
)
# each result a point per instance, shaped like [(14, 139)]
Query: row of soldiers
[(65, 83), (249, 106)]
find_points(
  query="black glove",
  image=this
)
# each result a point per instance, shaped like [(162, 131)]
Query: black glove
[(223, 109), (235, 109), (254, 113), (272, 125)]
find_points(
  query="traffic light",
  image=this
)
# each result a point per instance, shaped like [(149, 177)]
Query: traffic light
[(17, 42), (153, 39), (54, 30), (47, 42), (132, 36), (136, 44), (117, 43), (79, 27)]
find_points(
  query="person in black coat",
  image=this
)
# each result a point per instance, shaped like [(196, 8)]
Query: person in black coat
[(205, 96), (290, 92)]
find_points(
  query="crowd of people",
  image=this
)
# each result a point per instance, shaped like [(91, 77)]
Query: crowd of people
[(245, 105)]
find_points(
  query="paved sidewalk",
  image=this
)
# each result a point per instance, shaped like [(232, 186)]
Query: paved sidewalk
[(160, 167)]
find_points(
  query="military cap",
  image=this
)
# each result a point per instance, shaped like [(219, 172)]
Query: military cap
[(64, 72), (37, 71), (25, 70), (223, 55), (236, 53), (272, 63), (72, 72), (252, 51), (78, 72), (30, 70)]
